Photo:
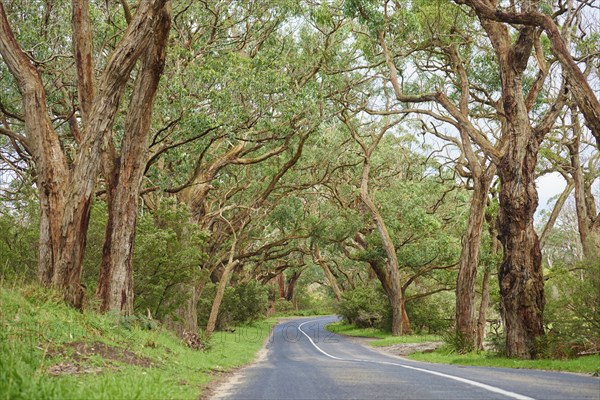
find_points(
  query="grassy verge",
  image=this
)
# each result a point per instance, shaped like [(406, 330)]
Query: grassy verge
[(443, 355), (48, 350), (383, 338)]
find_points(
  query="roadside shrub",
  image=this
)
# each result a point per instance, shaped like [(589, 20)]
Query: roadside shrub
[(246, 302), (458, 342), (19, 235), (283, 306), (430, 314), (365, 307), (496, 339), (168, 253), (572, 314)]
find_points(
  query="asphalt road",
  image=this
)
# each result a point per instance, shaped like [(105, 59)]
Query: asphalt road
[(304, 361)]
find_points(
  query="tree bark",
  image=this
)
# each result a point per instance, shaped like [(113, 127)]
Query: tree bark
[(214, 311), (405, 321), (115, 285), (65, 195), (520, 275), (469, 261), (585, 208), (281, 285), (483, 306)]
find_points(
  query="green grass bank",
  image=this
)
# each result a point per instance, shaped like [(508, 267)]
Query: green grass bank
[(51, 351), (445, 355)]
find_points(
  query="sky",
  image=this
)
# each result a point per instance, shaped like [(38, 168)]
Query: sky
[(548, 186)]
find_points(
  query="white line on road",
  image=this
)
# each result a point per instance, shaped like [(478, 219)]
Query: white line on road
[(456, 378)]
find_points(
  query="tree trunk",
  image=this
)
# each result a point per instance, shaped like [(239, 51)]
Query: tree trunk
[(291, 285), (65, 195), (281, 285), (520, 275), (214, 311), (392, 273), (469, 261), (397, 305), (330, 277), (115, 285), (406, 329), (485, 301), (584, 202)]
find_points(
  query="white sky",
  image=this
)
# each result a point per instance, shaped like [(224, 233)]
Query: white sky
[(548, 186)]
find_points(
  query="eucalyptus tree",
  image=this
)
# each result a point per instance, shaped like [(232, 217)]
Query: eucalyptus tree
[(434, 38), (243, 126), (390, 273), (67, 161), (485, 63), (521, 277)]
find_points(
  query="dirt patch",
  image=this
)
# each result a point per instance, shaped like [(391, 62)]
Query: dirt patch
[(69, 368), (409, 348), (77, 353)]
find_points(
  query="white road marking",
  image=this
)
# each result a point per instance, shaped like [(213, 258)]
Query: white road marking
[(456, 378)]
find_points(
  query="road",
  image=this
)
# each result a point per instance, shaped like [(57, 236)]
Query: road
[(304, 361)]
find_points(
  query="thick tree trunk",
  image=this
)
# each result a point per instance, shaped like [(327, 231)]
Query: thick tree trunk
[(520, 275), (188, 312), (397, 311), (115, 285), (469, 261)]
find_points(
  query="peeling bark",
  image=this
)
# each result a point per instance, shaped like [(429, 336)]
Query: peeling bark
[(115, 284)]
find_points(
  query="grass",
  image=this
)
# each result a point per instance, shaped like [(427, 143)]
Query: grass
[(384, 338), (444, 355), (38, 333)]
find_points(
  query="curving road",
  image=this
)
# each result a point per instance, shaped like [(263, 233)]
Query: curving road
[(304, 361)]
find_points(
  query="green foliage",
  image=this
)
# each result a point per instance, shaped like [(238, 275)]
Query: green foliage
[(432, 314), (19, 235), (243, 303), (168, 253), (458, 342), (572, 314), (365, 307)]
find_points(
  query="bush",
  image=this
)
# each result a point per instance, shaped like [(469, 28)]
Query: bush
[(431, 314), (241, 304), (19, 234), (458, 342), (168, 254), (572, 315), (365, 307)]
